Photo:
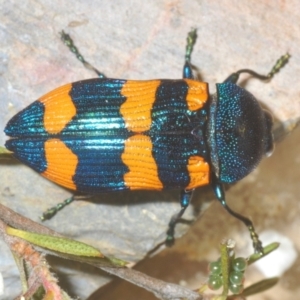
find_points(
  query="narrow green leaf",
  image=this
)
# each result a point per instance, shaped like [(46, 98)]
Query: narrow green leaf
[(117, 262), (4, 152), (260, 286), (267, 250), (55, 243)]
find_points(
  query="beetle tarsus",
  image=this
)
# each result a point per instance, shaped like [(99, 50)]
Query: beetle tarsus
[(257, 244), (280, 63)]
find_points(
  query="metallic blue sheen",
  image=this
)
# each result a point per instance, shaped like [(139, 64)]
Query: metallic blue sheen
[(173, 133), (241, 132), (97, 135), (29, 134), (27, 123), (30, 151), (185, 198)]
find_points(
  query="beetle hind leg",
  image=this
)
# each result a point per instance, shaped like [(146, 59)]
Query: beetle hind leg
[(67, 40), (52, 211)]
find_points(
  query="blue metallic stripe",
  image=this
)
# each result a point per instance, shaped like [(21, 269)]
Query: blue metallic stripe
[(25, 127), (171, 133), (97, 135), (29, 151), (27, 123)]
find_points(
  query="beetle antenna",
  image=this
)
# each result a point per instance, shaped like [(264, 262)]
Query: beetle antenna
[(67, 40), (280, 63), (190, 42)]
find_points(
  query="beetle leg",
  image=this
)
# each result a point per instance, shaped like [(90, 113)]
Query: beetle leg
[(51, 212), (187, 71), (185, 198), (70, 44), (187, 68), (220, 194), (280, 63)]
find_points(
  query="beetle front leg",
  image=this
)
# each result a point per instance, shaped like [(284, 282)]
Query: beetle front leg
[(280, 63), (220, 194), (185, 198)]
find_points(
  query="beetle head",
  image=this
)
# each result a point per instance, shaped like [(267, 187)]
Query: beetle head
[(239, 132)]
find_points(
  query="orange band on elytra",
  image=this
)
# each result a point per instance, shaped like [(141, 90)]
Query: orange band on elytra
[(59, 109), (136, 110), (61, 163), (138, 158), (197, 94), (198, 170)]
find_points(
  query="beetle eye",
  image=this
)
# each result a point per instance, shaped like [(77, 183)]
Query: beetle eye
[(269, 142)]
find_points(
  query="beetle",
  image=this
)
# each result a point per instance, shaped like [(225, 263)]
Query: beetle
[(106, 135)]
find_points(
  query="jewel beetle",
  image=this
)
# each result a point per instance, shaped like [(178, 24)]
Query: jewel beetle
[(106, 135)]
